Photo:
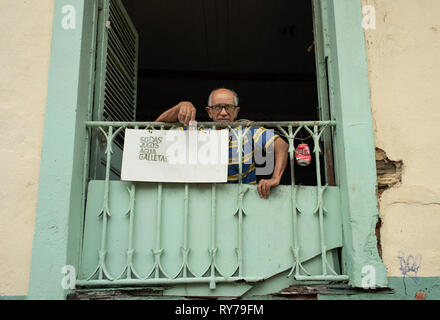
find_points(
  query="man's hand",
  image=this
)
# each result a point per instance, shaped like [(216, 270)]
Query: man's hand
[(187, 112), (281, 149), (264, 186)]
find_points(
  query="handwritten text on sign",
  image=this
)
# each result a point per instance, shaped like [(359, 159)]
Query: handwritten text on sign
[(175, 155)]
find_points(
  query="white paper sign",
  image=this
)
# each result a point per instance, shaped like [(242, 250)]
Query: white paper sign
[(175, 155)]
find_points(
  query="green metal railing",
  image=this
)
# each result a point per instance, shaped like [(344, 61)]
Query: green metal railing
[(129, 276)]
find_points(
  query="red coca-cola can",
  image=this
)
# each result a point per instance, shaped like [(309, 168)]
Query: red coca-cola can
[(302, 155)]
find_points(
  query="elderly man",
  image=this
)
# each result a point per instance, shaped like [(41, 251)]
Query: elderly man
[(223, 107)]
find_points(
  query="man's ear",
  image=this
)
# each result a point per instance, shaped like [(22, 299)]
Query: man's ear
[(208, 110), (237, 110)]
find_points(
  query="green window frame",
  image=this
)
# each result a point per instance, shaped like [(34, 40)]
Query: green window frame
[(61, 193)]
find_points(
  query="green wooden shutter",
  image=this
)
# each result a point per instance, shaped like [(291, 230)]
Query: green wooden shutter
[(323, 59), (116, 84), (116, 78)]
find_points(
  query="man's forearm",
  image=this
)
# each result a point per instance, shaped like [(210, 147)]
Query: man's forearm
[(183, 112), (170, 115), (281, 149)]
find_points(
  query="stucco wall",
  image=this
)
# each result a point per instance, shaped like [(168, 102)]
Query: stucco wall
[(403, 61), (25, 33)]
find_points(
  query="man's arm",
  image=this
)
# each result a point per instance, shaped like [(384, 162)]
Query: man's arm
[(281, 148), (183, 112)]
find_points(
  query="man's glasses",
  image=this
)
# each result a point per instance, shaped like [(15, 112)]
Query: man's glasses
[(219, 107)]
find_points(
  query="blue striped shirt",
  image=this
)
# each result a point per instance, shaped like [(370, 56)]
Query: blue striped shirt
[(253, 138)]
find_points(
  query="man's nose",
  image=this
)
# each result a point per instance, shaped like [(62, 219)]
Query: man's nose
[(224, 112)]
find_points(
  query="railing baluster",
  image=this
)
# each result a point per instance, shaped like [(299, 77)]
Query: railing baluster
[(320, 199), (184, 249), (213, 250), (105, 211), (129, 267), (241, 192), (86, 170), (240, 199), (295, 210), (320, 209), (130, 250), (157, 252), (240, 213)]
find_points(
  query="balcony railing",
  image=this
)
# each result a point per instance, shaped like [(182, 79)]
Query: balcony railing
[(142, 234)]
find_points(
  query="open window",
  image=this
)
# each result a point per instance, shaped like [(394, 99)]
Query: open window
[(157, 54), (149, 57)]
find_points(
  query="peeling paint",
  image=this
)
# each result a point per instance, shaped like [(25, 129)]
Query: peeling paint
[(389, 172)]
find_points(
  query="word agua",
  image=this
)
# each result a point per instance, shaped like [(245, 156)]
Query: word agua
[(148, 147)]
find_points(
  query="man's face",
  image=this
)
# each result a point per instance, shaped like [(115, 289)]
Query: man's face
[(222, 109)]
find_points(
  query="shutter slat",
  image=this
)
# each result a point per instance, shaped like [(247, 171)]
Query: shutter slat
[(119, 100), (126, 102), (113, 105), (125, 81), (113, 100)]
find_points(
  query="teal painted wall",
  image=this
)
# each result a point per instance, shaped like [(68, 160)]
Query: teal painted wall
[(354, 141), (400, 288), (59, 206), (13, 297)]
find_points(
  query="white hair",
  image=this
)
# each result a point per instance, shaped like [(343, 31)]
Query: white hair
[(212, 92)]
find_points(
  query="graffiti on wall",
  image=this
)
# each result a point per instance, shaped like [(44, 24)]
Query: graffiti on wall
[(409, 266)]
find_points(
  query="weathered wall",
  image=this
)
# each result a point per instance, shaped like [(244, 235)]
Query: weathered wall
[(404, 74), (25, 34)]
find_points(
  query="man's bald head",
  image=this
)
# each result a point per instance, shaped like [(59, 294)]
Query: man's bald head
[(222, 94), (223, 105)]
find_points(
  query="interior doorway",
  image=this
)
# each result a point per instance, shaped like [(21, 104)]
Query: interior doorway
[(262, 49)]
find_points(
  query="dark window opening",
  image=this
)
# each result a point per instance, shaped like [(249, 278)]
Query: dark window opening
[(261, 49)]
